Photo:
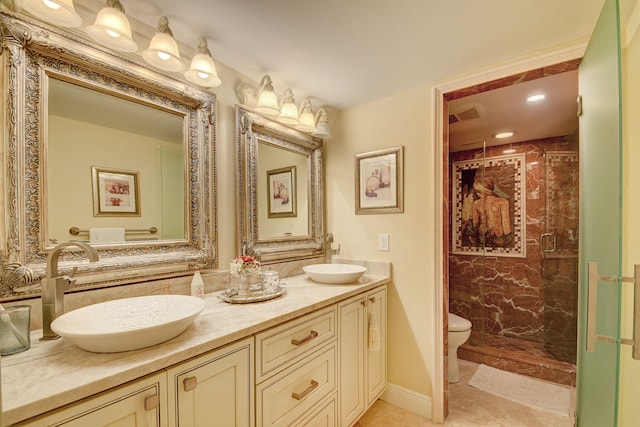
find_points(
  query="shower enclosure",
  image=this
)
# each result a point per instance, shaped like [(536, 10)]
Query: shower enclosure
[(513, 266)]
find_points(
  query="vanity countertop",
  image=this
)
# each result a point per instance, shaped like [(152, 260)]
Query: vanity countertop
[(55, 373)]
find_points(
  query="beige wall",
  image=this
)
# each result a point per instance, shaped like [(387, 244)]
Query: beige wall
[(74, 147), (272, 158), (629, 411), (402, 119)]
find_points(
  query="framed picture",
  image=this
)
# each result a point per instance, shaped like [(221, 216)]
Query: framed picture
[(488, 206), (379, 181), (281, 186), (115, 192)]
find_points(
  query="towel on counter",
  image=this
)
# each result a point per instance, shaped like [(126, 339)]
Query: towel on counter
[(374, 333), (106, 235)]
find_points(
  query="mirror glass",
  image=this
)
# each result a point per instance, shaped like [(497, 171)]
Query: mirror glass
[(96, 144), (283, 205), (280, 187)]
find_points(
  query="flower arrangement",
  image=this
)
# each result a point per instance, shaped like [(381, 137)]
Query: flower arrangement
[(244, 265)]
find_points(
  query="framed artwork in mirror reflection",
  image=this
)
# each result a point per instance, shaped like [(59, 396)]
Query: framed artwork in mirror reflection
[(281, 189), (379, 181), (115, 192)]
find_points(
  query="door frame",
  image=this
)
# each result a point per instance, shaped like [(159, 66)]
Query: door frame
[(440, 384)]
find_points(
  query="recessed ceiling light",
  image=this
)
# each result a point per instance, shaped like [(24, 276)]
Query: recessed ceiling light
[(536, 98), (502, 135)]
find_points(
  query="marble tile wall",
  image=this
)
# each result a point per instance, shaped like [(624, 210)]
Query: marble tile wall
[(532, 298)]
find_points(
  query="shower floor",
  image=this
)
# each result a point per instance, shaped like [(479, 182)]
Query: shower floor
[(520, 356)]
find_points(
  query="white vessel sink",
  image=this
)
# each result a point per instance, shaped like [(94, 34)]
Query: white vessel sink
[(128, 324), (334, 273)]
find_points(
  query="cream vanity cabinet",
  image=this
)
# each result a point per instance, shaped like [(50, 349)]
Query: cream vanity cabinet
[(362, 343), (296, 375), (212, 389), (215, 389), (324, 368), (139, 403)]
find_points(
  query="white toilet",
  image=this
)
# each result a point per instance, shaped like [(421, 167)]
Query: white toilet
[(459, 333)]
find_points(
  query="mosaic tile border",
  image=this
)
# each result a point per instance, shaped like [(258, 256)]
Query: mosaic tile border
[(516, 247)]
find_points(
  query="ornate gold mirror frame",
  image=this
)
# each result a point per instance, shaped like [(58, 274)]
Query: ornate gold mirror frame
[(252, 129), (31, 54)]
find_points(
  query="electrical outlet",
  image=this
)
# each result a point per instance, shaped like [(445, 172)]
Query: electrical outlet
[(383, 242)]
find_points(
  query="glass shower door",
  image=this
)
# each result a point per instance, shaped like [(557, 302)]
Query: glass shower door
[(559, 248), (600, 222)]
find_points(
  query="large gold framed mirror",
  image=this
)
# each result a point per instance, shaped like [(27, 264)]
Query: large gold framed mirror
[(101, 149), (280, 191)]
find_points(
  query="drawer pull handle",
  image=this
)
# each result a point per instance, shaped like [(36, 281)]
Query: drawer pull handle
[(312, 335), (190, 383), (372, 299), (151, 402), (300, 396)]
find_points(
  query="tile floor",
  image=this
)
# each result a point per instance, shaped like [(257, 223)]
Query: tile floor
[(467, 407)]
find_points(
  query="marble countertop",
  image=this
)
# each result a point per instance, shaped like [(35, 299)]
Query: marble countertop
[(55, 373)]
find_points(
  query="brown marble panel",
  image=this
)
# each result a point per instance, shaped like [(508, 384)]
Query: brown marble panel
[(533, 299)]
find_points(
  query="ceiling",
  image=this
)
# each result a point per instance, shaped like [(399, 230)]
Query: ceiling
[(343, 53), (475, 119)]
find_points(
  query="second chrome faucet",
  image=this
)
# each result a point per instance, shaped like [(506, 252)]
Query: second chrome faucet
[(54, 285)]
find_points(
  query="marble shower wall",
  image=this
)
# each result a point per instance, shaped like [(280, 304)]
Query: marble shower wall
[(532, 298)]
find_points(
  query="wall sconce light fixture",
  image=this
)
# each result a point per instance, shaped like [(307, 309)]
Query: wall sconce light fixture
[(289, 110), (112, 28), (322, 125), (307, 121), (58, 12), (267, 98), (163, 50), (203, 70), (264, 100)]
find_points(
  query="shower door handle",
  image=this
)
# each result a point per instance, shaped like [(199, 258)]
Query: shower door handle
[(544, 238), (592, 308)]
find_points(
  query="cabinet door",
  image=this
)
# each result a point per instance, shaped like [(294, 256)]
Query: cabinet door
[(214, 390), (352, 354), (376, 349), (138, 404)]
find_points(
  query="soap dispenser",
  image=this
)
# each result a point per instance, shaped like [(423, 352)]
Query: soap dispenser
[(197, 285)]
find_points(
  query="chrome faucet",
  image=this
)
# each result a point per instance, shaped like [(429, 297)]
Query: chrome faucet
[(54, 285), (329, 250)]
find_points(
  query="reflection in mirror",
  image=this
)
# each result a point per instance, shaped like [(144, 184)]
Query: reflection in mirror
[(89, 130), (281, 171), (280, 187)]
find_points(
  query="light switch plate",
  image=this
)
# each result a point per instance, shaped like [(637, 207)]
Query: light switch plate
[(383, 242)]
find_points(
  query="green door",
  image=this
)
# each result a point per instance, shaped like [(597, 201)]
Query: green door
[(600, 223)]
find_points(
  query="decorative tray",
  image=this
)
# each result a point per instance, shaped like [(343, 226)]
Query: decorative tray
[(257, 295)]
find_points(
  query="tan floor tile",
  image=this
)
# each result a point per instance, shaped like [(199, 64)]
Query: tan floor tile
[(468, 407)]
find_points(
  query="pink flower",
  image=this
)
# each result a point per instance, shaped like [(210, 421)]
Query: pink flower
[(244, 265)]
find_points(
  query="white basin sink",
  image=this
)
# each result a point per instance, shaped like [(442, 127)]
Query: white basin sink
[(129, 323), (334, 273)]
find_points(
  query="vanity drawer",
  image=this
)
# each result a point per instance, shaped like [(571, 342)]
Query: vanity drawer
[(325, 415), (296, 391), (278, 347)]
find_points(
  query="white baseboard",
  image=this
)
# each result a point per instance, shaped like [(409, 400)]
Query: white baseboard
[(408, 399)]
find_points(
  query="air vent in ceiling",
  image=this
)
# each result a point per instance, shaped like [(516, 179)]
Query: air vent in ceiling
[(466, 114)]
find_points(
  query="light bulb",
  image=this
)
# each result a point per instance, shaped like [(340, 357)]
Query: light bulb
[(51, 4), (163, 55), (112, 33)]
